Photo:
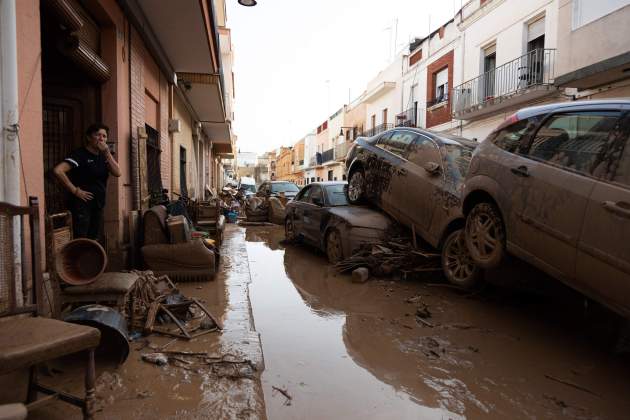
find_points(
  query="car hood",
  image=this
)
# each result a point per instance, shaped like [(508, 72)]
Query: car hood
[(362, 217)]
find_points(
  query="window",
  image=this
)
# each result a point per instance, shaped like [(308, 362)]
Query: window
[(316, 194), (575, 141), (385, 116), (508, 137), (154, 177), (489, 67), (422, 151), (587, 11), (441, 85), (182, 172), (330, 175), (336, 195), (304, 195), (373, 121), (397, 143)]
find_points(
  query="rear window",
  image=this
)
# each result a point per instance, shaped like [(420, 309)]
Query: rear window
[(248, 187), (336, 195), (284, 187)]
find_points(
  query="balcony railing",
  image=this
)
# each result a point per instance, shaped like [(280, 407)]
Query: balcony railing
[(328, 155), (407, 118), (536, 68), (377, 130)]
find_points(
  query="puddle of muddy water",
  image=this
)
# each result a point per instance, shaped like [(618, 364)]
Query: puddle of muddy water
[(355, 351), (305, 346)]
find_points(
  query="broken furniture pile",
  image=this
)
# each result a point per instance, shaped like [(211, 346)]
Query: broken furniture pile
[(395, 256), (266, 209), (156, 300)]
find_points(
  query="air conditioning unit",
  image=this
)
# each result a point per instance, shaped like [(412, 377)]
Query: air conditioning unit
[(174, 125)]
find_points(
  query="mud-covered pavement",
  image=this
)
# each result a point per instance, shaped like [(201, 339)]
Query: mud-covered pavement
[(410, 349)]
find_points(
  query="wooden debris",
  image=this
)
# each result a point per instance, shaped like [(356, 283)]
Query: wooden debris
[(572, 384), (397, 255), (284, 392)]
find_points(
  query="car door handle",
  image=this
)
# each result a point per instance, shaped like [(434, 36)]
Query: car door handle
[(620, 208), (402, 171), (520, 171)]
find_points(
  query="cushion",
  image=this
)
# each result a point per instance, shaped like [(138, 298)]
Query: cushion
[(107, 283), (28, 341), (154, 222), (190, 255)]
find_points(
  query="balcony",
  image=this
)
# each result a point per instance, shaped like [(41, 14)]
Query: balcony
[(328, 155), (376, 130), (524, 79), (407, 118)]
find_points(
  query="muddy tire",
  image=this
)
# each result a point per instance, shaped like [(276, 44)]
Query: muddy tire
[(485, 235), (334, 246), (459, 268), (355, 190), (289, 229)]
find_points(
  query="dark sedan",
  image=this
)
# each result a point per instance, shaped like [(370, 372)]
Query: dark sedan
[(416, 177), (320, 215)]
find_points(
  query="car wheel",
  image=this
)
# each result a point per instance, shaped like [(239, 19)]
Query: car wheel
[(289, 229), (485, 235), (356, 187), (458, 266), (334, 248)]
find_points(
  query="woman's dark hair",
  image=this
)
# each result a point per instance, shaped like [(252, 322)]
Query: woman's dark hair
[(95, 127)]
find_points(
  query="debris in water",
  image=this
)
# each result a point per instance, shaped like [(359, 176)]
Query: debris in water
[(159, 359), (284, 392)]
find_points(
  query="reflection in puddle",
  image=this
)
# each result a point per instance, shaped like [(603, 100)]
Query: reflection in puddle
[(321, 344)]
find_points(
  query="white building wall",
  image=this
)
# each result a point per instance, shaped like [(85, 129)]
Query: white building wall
[(390, 100)]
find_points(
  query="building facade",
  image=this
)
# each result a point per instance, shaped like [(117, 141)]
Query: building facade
[(157, 82)]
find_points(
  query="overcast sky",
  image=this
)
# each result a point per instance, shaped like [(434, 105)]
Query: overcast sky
[(297, 61)]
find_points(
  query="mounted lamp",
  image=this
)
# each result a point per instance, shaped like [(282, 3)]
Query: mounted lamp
[(248, 3)]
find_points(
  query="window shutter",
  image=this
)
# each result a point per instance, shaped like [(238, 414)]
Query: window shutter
[(536, 29)]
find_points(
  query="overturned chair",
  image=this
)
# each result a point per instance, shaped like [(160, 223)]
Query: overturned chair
[(172, 252), (111, 287), (27, 341)]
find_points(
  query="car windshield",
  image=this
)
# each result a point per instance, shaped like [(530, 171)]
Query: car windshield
[(248, 187), (284, 187), (336, 195), (457, 159)]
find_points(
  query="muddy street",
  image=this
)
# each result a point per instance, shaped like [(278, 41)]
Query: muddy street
[(416, 348)]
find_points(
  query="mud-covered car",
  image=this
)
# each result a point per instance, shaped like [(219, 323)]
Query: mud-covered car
[(277, 188), (416, 177), (321, 216), (551, 185)]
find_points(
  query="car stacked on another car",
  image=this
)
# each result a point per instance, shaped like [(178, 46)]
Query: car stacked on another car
[(551, 185), (416, 176)]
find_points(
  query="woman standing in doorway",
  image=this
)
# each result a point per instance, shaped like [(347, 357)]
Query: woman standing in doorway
[(84, 174)]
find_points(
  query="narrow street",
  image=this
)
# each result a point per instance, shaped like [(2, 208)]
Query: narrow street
[(355, 351)]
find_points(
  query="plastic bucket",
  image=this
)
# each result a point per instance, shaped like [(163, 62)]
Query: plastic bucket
[(80, 261)]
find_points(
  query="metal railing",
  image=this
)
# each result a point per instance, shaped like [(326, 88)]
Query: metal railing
[(376, 130), (328, 155), (536, 68), (407, 118)]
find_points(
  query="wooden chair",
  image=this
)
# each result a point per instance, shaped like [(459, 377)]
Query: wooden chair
[(26, 341), (111, 287)]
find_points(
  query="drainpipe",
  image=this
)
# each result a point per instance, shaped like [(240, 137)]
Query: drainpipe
[(9, 146)]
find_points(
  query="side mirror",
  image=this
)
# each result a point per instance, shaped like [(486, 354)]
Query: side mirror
[(432, 168), (317, 201)]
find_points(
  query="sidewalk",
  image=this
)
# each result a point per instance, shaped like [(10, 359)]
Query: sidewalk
[(140, 390)]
